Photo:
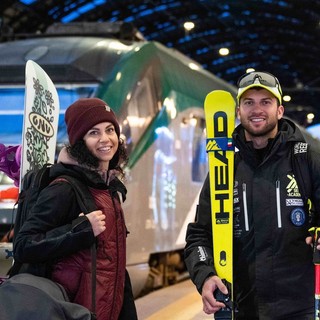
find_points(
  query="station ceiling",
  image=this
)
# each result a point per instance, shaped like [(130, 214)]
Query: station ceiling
[(279, 36)]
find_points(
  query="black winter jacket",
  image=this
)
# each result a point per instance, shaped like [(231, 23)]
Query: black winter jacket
[(45, 236), (273, 268)]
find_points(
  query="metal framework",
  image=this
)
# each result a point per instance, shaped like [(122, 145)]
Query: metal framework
[(281, 37)]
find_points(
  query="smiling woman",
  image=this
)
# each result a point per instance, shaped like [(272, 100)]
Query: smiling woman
[(59, 235)]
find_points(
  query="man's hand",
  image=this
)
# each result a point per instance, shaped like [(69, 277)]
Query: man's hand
[(210, 304), (309, 241)]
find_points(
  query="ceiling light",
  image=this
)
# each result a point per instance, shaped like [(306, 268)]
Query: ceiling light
[(188, 25), (250, 70), (310, 117), (224, 51), (286, 98)]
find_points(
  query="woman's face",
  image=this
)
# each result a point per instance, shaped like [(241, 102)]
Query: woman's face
[(102, 141)]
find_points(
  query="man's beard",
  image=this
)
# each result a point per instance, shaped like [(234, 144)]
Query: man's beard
[(261, 133)]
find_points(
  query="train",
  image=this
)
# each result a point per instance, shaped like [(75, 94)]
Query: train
[(157, 94)]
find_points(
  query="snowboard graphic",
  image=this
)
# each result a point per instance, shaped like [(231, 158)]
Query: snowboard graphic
[(39, 135), (219, 107), (41, 115)]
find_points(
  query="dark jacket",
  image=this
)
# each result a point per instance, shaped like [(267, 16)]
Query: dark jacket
[(56, 237), (273, 269)]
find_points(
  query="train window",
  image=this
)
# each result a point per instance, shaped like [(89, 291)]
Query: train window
[(69, 94), (11, 114), (12, 109), (199, 155), (141, 108)]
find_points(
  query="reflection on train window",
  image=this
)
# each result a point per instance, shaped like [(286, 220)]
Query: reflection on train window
[(71, 93), (68, 95), (12, 98), (11, 114), (141, 108), (199, 155)]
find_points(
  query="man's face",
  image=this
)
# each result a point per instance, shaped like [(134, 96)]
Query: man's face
[(259, 113)]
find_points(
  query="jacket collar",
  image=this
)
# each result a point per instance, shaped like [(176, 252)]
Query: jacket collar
[(288, 133)]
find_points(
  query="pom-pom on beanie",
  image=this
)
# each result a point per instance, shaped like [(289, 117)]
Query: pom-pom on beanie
[(85, 113)]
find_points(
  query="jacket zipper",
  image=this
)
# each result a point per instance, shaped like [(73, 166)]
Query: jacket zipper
[(278, 204), (245, 206)]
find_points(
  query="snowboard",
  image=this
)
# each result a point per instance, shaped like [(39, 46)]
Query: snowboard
[(41, 115), (39, 136), (219, 108)]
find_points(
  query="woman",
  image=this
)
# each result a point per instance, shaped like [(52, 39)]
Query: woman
[(55, 241)]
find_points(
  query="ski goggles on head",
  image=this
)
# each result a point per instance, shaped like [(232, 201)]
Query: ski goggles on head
[(259, 79)]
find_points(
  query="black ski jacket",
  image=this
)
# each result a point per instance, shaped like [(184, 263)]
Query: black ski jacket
[(273, 266)]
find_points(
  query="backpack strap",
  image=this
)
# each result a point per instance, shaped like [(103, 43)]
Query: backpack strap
[(301, 170), (82, 192), (87, 204)]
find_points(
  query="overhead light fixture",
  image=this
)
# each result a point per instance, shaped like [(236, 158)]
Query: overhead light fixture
[(224, 51), (310, 116), (286, 98), (188, 25), (250, 70)]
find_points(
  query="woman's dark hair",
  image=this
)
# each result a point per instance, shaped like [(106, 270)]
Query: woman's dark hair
[(82, 155)]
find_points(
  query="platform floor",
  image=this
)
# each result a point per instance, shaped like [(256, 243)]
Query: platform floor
[(178, 302)]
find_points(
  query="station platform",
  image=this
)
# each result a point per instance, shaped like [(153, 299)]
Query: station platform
[(178, 302)]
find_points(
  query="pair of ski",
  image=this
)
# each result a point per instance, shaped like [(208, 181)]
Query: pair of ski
[(219, 107)]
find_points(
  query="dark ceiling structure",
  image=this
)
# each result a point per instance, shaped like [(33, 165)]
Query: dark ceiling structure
[(279, 36)]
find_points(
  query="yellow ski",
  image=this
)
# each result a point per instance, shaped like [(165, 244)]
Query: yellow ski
[(219, 107)]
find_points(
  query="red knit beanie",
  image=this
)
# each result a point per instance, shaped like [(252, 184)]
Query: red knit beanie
[(85, 113)]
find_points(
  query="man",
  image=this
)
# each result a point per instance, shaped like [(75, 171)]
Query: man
[(273, 267)]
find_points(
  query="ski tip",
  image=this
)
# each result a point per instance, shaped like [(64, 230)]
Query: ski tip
[(220, 93), (220, 96), (34, 70), (32, 65)]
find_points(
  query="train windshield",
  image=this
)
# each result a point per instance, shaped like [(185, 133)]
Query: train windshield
[(12, 108)]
